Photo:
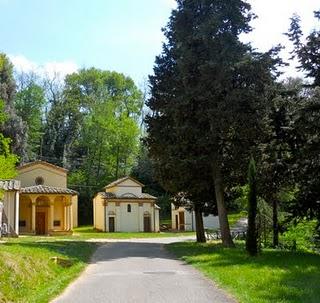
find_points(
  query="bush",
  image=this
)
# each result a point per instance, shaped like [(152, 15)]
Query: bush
[(300, 236)]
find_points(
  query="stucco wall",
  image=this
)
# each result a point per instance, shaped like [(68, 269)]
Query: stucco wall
[(52, 177), (9, 207), (210, 222), (98, 215), (75, 210), (127, 186)]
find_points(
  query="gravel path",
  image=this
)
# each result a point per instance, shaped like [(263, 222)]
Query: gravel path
[(141, 271)]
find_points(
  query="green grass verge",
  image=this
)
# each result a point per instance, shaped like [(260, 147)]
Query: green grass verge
[(27, 274), (275, 276), (87, 232)]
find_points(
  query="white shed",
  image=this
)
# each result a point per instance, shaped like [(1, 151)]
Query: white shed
[(183, 219)]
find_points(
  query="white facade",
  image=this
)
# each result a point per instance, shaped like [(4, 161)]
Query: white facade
[(123, 207), (183, 219)]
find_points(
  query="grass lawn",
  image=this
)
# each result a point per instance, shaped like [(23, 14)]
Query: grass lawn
[(87, 232), (28, 275), (273, 277)]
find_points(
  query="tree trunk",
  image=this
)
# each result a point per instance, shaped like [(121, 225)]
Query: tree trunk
[(222, 211), (201, 238), (275, 224)]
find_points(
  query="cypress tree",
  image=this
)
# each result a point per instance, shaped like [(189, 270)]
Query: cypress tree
[(252, 235)]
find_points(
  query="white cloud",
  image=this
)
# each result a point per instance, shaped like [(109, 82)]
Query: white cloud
[(50, 69)]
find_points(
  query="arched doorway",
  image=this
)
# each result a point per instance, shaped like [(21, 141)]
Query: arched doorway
[(42, 206), (146, 222)]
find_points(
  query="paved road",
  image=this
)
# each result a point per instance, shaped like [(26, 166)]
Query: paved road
[(140, 271)]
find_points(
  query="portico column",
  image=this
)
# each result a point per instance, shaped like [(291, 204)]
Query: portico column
[(51, 215), (118, 217), (71, 217), (17, 213), (33, 214), (106, 218), (65, 217), (140, 216)]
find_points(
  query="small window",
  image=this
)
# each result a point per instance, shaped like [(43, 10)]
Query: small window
[(129, 208), (22, 223), (56, 223), (39, 181)]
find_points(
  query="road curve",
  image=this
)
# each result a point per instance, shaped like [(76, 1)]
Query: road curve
[(140, 271)]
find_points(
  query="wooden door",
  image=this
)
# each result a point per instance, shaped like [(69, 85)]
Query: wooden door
[(177, 222), (146, 224), (40, 223), (111, 225), (181, 220)]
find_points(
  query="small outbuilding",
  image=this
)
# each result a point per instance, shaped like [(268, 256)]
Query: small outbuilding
[(123, 207), (184, 219)]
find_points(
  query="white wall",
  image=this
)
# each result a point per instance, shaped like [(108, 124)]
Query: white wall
[(98, 213), (127, 186), (51, 177), (210, 222)]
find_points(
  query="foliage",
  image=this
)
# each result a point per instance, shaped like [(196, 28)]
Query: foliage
[(252, 233), (13, 128), (207, 94), (29, 105), (7, 159), (273, 276), (306, 52), (300, 235)]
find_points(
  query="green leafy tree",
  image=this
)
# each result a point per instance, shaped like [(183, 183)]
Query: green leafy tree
[(7, 159), (208, 95), (29, 103), (13, 127)]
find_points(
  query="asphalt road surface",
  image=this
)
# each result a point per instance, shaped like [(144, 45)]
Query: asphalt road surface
[(141, 271)]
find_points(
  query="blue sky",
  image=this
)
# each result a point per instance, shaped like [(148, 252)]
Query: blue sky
[(121, 35)]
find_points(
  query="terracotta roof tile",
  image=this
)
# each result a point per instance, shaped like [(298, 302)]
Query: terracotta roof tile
[(143, 196), (10, 184), (43, 189)]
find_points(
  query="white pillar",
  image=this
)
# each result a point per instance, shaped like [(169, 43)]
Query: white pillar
[(141, 227), (118, 218), (33, 215), (65, 217), (152, 217), (71, 216), (106, 223), (17, 213), (51, 224)]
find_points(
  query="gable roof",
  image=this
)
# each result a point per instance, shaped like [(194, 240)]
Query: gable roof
[(52, 166), (121, 180), (142, 196), (9, 184)]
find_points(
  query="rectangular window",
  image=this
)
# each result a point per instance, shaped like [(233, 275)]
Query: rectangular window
[(22, 223), (56, 223)]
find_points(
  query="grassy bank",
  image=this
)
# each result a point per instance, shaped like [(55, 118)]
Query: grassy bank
[(29, 275), (87, 232), (275, 276)]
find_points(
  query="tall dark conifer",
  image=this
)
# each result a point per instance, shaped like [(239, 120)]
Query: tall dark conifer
[(207, 99)]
